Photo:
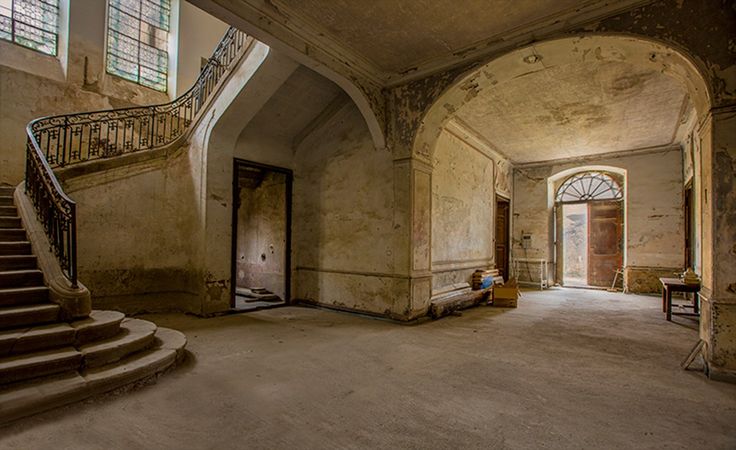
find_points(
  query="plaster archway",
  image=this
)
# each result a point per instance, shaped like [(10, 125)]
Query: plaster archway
[(639, 50)]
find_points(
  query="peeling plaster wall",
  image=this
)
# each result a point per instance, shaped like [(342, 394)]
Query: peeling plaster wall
[(343, 219), (718, 296), (463, 203), (34, 85), (654, 215), (262, 235)]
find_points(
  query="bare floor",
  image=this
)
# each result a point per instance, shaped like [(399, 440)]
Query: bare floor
[(569, 368)]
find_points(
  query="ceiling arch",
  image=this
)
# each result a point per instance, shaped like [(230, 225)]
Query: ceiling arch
[(573, 97)]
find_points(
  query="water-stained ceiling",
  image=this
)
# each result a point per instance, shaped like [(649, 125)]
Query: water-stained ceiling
[(570, 110)]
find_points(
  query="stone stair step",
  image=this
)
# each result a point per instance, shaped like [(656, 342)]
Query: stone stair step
[(10, 222), (38, 364), (23, 295), (17, 262), (12, 234), (143, 364), (99, 325), (6, 200), (21, 316), (8, 211), (7, 191), (41, 394), (19, 278), (15, 248), (42, 337), (135, 335)]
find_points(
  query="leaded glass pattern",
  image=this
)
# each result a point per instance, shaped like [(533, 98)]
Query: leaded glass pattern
[(31, 23), (137, 40), (589, 186)]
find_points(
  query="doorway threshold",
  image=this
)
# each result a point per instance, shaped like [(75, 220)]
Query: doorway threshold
[(241, 305), (591, 288)]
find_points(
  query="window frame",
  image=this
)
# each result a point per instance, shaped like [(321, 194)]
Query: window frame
[(56, 32), (139, 63), (609, 182)]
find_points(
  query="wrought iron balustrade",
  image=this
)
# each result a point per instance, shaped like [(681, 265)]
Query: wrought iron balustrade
[(64, 140)]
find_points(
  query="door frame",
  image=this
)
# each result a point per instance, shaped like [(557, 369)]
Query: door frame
[(507, 266), (558, 231), (237, 163)]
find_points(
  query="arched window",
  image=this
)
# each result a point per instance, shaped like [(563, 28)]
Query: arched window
[(587, 186)]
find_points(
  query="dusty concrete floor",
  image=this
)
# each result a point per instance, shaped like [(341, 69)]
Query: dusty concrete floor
[(567, 369)]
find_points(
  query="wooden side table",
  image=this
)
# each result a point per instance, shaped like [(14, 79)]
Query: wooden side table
[(670, 285)]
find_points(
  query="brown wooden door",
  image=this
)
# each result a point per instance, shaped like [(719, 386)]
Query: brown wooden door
[(605, 242), (502, 236), (689, 228)]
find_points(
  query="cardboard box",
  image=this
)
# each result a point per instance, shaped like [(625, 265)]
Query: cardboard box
[(506, 296)]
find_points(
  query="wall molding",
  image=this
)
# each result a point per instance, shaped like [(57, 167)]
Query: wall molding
[(353, 272), (609, 155)]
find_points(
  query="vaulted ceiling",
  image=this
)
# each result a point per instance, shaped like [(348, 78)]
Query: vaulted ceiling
[(581, 109)]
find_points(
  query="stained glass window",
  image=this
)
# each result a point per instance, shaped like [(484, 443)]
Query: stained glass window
[(31, 23), (587, 186), (137, 41)]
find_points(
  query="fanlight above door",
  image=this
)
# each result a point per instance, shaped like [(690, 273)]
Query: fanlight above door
[(589, 186)]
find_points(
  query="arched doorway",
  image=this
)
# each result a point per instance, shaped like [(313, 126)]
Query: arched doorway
[(589, 213)]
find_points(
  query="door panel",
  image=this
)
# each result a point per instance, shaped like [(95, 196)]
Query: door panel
[(502, 237), (605, 241)]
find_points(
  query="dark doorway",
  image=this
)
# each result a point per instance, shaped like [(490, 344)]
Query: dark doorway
[(503, 222), (261, 236), (689, 227)]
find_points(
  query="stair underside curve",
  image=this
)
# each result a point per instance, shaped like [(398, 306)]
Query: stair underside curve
[(36, 395)]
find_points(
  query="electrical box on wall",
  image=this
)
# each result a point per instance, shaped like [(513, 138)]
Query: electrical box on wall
[(526, 240)]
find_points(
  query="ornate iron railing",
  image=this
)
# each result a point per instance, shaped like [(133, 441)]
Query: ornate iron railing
[(60, 141)]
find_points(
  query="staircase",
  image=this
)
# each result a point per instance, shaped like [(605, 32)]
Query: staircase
[(46, 361)]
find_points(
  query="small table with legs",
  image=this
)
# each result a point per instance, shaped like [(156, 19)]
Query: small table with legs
[(670, 285)]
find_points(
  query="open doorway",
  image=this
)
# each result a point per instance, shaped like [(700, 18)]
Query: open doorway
[(590, 205), (261, 236), (502, 236)]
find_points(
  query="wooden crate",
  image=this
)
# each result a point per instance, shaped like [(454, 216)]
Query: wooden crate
[(506, 296)]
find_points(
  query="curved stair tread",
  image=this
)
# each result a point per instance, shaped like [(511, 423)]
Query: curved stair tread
[(38, 364), (170, 339), (41, 394), (36, 338), (34, 396), (135, 335), (99, 325), (22, 316), (169, 349)]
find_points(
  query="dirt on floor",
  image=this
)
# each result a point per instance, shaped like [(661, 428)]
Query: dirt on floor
[(566, 369)]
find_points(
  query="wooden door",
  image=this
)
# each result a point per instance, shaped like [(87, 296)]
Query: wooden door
[(689, 228), (502, 236), (605, 241)]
